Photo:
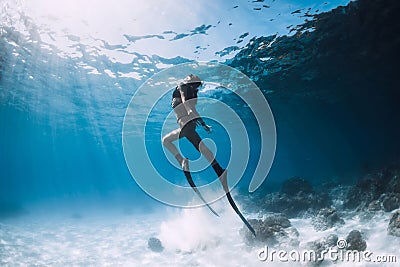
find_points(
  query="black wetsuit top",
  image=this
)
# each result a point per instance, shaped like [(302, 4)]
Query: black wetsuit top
[(176, 98), (188, 93), (189, 130)]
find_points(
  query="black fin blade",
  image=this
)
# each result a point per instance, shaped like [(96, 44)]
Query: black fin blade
[(192, 184), (230, 199)]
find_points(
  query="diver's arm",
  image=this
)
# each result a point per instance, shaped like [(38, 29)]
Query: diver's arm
[(201, 122)]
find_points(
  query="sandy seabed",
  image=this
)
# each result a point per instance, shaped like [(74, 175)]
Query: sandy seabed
[(190, 237)]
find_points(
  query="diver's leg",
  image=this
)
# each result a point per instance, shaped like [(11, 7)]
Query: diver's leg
[(167, 142), (189, 131), (221, 173), (195, 139)]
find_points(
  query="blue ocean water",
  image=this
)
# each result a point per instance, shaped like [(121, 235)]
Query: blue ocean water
[(69, 70), (70, 107)]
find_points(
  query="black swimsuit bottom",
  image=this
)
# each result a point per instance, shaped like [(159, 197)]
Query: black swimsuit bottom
[(189, 131)]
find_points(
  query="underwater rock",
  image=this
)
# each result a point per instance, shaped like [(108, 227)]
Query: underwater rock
[(394, 224), (355, 241), (296, 205), (394, 184), (326, 218), (365, 191), (295, 198), (321, 245), (273, 229), (387, 202), (155, 244), (375, 205), (292, 201), (277, 219), (296, 185), (338, 194), (375, 191), (390, 201)]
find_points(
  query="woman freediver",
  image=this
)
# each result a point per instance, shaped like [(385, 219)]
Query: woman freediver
[(184, 100)]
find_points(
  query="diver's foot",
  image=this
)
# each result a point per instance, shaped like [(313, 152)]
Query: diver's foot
[(224, 181), (185, 165)]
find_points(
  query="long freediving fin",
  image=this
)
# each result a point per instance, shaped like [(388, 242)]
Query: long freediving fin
[(193, 185), (230, 199), (224, 182)]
